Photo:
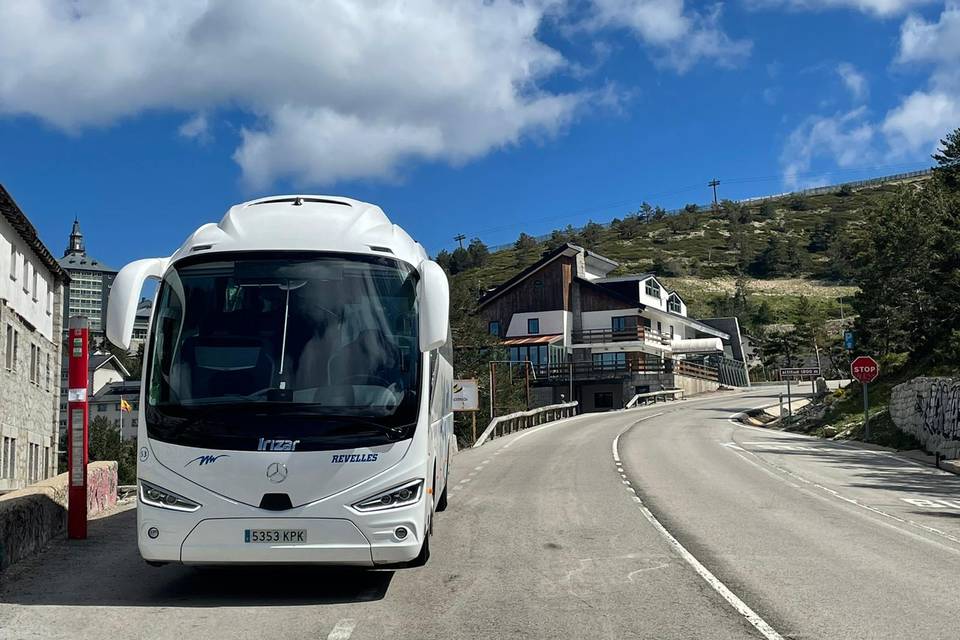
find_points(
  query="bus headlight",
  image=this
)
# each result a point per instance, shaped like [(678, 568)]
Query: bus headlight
[(400, 496), (156, 496)]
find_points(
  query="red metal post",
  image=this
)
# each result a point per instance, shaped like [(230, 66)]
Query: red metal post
[(77, 431)]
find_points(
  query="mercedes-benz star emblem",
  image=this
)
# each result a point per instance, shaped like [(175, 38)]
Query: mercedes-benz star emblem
[(277, 472)]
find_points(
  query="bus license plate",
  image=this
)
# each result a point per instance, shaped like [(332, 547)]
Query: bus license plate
[(275, 535)]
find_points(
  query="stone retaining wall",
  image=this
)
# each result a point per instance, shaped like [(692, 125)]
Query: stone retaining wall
[(929, 409), (32, 516)]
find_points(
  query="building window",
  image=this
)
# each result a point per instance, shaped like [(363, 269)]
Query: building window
[(9, 351), (533, 326), (610, 360), (33, 364), (33, 462), (603, 400), (26, 275), (48, 372), (36, 278), (494, 328), (13, 262), (46, 462), (101, 407), (535, 354), (16, 348), (8, 458), (671, 331), (652, 288), (659, 327), (49, 302), (673, 304)]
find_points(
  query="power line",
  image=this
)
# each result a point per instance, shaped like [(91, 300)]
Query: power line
[(460, 238)]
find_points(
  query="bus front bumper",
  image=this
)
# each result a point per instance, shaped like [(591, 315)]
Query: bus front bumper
[(330, 541)]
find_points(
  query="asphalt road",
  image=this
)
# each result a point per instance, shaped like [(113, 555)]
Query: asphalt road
[(546, 537)]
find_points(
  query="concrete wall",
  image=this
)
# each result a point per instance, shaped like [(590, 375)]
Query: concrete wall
[(692, 386), (31, 517), (929, 409)]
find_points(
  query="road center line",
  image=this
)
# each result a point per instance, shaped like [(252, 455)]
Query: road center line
[(741, 607), (616, 454), (343, 629)]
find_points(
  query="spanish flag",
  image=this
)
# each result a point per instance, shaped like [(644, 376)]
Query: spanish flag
[(125, 406)]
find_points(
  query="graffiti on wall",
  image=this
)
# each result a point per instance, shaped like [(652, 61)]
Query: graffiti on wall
[(929, 409), (939, 408)]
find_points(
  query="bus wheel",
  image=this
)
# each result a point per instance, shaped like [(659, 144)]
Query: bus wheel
[(424, 554), (442, 502)]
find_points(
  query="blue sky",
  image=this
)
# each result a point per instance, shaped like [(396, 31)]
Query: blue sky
[(486, 119)]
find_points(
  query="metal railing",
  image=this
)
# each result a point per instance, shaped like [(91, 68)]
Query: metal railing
[(683, 368), (589, 370), (666, 394), (596, 336), (513, 422)]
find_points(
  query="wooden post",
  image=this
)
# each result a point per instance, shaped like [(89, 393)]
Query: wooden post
[(473, 425)]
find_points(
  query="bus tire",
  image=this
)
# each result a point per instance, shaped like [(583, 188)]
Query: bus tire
[(442, 502), (424, 554)]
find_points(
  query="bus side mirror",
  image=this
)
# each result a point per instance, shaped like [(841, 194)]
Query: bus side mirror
[(125, 295), (434, 299)]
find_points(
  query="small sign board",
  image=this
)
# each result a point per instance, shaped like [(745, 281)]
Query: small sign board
[(865, 369), (848, 341), (797, 373), (466, 397)]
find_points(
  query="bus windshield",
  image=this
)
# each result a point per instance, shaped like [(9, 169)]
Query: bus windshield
[(313, 347)]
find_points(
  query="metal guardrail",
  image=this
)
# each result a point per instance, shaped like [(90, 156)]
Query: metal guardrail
[(667, 394), (513, 422)]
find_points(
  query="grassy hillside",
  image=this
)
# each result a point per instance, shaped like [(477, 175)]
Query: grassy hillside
[(783, 250)]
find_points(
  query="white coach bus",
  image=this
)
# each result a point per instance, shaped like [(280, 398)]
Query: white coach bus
[(296, 404)]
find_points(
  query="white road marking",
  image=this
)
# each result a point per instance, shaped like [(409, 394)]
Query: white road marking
[(480, 468), (739, 605), (343, 629), (616, 454), (465, 481), (933, 503), (763, 464)]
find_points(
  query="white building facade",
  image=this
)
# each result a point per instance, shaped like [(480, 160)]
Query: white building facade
[(31, 318)]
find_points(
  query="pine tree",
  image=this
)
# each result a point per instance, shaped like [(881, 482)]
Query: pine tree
[(948, 160)]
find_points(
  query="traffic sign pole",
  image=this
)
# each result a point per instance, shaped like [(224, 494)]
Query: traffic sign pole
[(866, 412), (77, 417), (865, 369)]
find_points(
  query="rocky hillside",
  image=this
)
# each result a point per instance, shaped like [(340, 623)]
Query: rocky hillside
[(769, 254)]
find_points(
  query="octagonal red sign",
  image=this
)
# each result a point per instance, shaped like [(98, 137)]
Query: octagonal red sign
[(865, 369)]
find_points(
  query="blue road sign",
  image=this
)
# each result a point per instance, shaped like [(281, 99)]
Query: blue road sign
[(848, 339)]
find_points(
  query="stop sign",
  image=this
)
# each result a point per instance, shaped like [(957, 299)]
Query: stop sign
[(865, 369)]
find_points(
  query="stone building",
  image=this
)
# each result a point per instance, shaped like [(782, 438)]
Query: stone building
[(31, 326)]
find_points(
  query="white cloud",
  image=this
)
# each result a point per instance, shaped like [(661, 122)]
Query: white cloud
[(881, 8), (844, 138), (920, 121), (679, 38), (196, 128), (923, 117), (909, 131), (922, 41), (337, 90), (855, 81)]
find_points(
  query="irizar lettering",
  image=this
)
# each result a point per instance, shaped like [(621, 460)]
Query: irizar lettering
[(277, 445)]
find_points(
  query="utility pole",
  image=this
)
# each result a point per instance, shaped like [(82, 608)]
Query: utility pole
[(714, 183), (460, 238)]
